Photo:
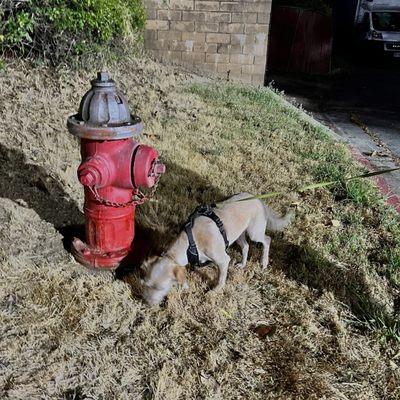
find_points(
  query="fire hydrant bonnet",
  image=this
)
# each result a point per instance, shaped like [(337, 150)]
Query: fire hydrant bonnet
[(104, 113)]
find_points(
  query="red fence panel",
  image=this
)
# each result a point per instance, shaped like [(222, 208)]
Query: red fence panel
[(300, 41)]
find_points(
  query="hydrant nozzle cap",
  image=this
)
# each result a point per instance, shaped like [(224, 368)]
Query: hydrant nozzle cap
[(87, 178), (158, 168)]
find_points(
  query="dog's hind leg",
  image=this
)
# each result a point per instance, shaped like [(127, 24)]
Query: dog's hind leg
[(265, 256), (242, 242), (256, 232), (223, 264)]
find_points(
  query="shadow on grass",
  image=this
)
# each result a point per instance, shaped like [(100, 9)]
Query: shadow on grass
[(33, 187), (348, 284)]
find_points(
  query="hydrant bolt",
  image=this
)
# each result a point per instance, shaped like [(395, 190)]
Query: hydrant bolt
[(103, 76)]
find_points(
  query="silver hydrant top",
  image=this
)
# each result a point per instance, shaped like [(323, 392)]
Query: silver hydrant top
[(104, 113)]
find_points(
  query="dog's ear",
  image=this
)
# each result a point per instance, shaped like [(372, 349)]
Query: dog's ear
[(180, 274)]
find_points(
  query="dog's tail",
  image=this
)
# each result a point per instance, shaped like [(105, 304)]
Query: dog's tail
[(274, 221)]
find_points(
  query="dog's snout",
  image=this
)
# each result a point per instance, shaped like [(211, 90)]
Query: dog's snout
[(151, 297), (154, 296)]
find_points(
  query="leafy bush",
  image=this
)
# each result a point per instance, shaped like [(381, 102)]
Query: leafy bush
[(58, 29)]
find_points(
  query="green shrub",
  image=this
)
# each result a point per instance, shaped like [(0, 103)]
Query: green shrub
[(58, 29)]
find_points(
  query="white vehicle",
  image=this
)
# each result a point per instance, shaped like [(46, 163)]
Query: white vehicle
[(379, 24)]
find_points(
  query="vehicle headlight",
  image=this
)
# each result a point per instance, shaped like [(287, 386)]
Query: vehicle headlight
[(376, 35)]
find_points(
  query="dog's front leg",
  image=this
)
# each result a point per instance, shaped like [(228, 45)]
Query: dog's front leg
[(223, 265), (185, 285)]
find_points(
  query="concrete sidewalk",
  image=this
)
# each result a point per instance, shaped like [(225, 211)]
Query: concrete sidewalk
[(361, 107), (381, 147)]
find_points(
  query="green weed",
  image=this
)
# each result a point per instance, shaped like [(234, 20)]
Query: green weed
[(372, 317), (363, 193), (393, 265)]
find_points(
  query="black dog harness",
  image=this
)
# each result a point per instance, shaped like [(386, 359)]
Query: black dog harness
[(205, 211)]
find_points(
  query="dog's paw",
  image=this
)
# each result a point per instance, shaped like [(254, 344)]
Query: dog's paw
[(240, 265), (217, 289), (265, 263), (265, 266), (211, 295)]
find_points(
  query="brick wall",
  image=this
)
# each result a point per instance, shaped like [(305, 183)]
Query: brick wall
[(227, 38)]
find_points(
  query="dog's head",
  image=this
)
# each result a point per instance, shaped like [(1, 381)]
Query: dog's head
[(161, 274)]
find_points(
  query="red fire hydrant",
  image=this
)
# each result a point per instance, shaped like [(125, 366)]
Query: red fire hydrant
[(113, 168)]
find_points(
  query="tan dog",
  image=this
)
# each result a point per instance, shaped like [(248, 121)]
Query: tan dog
[(240, 218)]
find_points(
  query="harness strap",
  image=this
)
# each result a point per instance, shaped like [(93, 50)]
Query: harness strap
[(206, 211), (192, 253)]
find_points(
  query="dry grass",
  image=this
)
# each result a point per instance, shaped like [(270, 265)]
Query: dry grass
[(321, 323)]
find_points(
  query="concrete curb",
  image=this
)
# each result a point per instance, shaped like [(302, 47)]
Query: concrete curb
[(383, 186), (391, 198)]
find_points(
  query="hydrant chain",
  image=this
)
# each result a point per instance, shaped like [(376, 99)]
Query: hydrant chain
[(138, 198)]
